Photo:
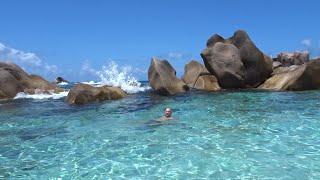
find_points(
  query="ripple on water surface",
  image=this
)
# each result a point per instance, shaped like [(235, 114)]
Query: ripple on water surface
[(215, 135)]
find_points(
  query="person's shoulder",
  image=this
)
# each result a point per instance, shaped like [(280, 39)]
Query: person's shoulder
[(163, 118), (169, 118)]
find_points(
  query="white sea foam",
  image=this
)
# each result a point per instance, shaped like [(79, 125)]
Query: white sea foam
[(50, 95), (93, 83), (122, 77), (63, 84)]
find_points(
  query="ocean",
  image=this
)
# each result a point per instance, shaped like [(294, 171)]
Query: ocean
[(244, 134)]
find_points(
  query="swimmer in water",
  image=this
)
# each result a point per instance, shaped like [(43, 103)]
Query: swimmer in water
[(167, 115)]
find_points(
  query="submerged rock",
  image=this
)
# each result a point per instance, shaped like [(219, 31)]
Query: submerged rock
[(236, 62), (84, 93), (296, 58), (162, 78), (13, 80), (296, 78)]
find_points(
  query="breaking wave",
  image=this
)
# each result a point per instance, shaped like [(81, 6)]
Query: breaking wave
[(92, 83), (39, 96), (63, 84), (112, 75)]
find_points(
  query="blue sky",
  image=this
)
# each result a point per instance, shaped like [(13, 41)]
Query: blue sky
[(62, 37)]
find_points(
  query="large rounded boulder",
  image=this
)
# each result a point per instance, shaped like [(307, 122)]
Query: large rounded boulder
[(223, 61), (84, 93), (257, 67), (296, 78), (13, 80), (214, 39), (9, 85), (162, 78), (198, 77), (192, 71), (207, 82)]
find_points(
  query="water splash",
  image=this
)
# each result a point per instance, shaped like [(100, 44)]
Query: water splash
[(50, 95), (92, 83), (122, 77), (63, 84)]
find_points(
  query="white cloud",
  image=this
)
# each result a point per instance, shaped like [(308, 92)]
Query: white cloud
[(27, 60), (175, 55), (2, 47), (19, 56), (306, 42), (51, 68)]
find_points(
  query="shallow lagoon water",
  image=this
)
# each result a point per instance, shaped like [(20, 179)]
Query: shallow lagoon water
[(221, 135)]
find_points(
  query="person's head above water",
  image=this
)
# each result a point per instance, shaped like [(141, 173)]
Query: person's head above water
[(167, 115), (167, 112)]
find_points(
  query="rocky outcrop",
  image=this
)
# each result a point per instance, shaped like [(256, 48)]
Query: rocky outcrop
[(162, 78), (276, 64), (198, 77), (192, 71), (13, 80), (296, 58), (281, 69), (60, 80), (236, 62), (84, 93), (207, 82), (296, 78), (223, 61), (258, 66)]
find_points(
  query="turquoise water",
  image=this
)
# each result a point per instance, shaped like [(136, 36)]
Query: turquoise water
[(236, 135)]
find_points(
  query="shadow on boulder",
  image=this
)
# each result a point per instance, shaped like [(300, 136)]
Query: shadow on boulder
[(197, 76), (162, 78), (236, 62)]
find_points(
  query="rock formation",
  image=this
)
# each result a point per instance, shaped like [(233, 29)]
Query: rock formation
[(84, 93), (197, 76), (296, 78), (236, 62), (296, 58), (13, 80), (162, 78)]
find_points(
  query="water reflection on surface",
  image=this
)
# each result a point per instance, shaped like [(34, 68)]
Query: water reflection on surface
[(237, 135)]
